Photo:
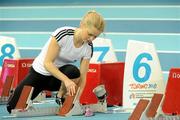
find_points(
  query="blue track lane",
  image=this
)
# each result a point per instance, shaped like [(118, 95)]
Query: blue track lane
[(137, 26), (89, 2)]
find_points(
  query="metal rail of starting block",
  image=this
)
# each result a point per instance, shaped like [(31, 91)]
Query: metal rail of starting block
[(166, 117), (79, 109), (51, 109), (35, 112), (3, 100), (44, 108)]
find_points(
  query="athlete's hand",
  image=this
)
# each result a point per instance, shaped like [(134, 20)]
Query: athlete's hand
[(71, 87)]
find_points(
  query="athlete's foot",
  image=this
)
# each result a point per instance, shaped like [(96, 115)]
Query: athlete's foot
[(9, 108), (60, 100)]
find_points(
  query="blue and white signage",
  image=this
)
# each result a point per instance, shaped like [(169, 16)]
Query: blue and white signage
[(142, 75), (8, 49), (103, 51)]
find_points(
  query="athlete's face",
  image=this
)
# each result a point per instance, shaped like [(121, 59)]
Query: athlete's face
[(90, 34)]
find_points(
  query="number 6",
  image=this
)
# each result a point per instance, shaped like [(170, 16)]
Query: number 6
[(138, 64)]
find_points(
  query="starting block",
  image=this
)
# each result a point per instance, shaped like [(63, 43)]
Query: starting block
[(26, 108), (147, 110), (68, 104), (153, 110), (24, 98), (141, 106), (6, 90), (165, 106), (154, 105), (78, 109)]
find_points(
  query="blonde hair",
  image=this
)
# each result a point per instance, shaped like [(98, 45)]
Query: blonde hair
[(93, 19)]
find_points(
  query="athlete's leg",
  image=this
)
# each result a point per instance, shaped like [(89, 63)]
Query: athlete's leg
[(32, 79), (71, 72), (41, 82)]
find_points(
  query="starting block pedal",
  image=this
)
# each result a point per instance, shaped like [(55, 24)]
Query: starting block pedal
[(141, 106), (147, 110), (153, 110), (25, 97), (7, 87), (154, 105), (68, 104)]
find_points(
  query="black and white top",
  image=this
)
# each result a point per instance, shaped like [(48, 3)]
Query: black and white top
[(68, 53)]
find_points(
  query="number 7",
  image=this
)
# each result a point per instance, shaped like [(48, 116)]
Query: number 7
[(104, 51)]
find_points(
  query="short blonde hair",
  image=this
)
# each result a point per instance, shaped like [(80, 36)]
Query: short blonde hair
[(93, 19)]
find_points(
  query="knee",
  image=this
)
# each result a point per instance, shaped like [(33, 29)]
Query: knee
[(71, 71)]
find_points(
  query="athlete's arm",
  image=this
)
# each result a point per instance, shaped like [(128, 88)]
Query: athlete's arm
[(84, 66), (52, 53)]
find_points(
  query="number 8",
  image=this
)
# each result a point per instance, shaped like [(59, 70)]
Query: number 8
[(5, 53)]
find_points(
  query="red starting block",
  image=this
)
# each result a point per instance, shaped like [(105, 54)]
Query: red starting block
[(6, 90), (109, 74), (16, 68), (68, 104), (146, 110), (24, 97), (171, 104), (139, 109), (154, 105), (7, 86)]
